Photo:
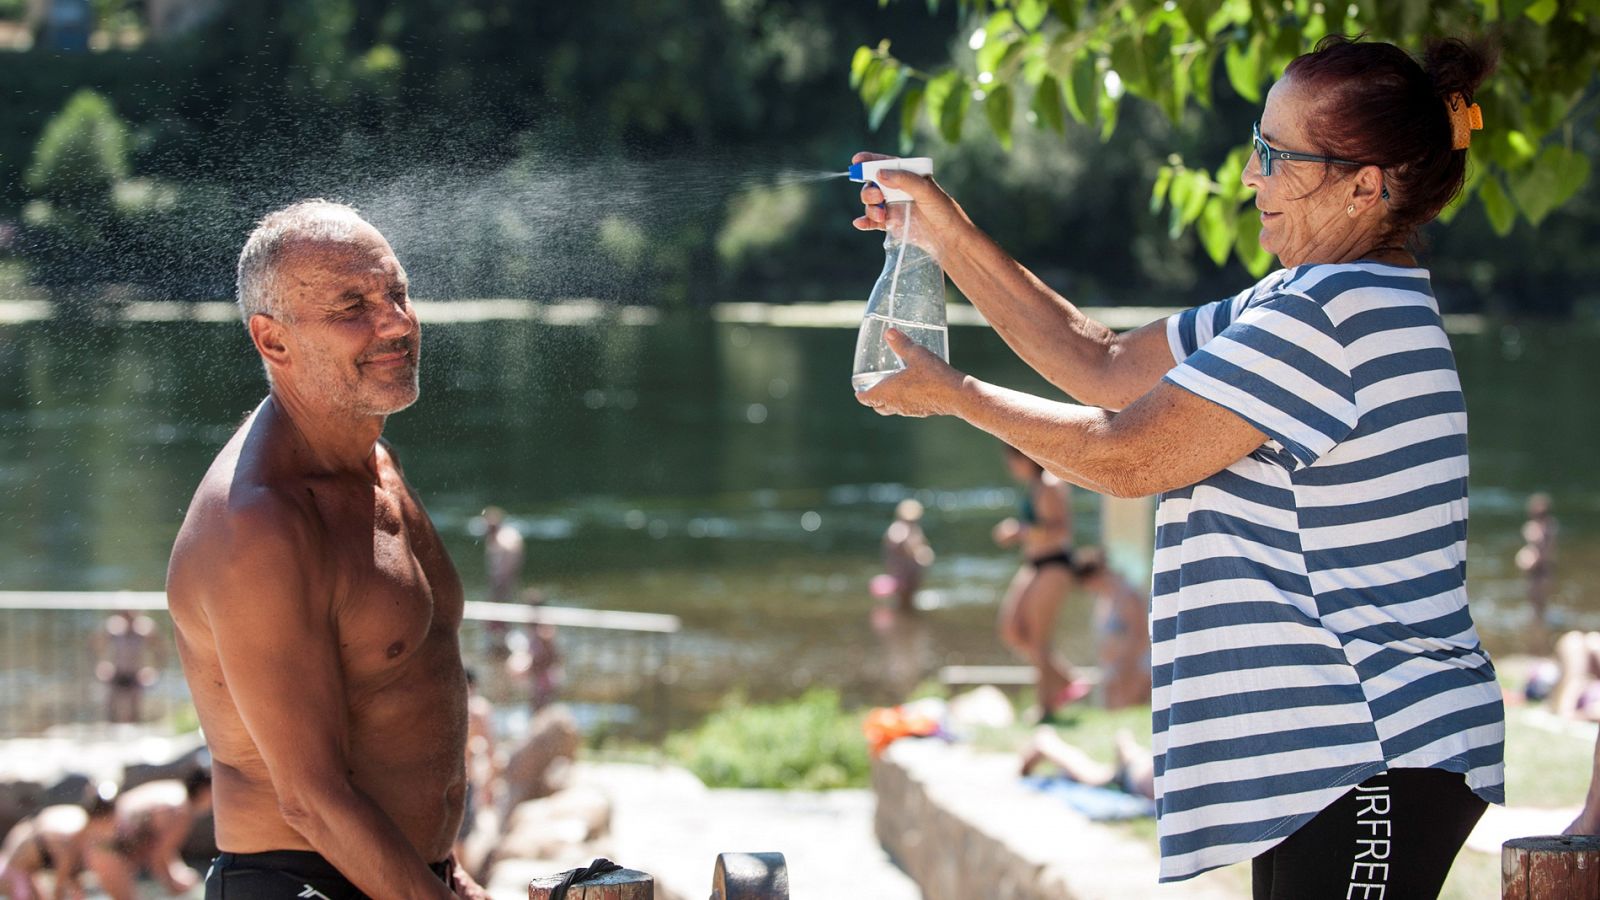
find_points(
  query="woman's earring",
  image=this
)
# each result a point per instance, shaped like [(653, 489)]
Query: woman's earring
[(1351, 209)]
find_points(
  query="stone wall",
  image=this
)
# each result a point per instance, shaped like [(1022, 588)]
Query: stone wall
[(965, 827)]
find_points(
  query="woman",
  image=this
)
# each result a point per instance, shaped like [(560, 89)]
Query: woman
[(1043, 529), (1321, 697)]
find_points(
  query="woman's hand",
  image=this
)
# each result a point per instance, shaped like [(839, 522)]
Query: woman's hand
[(940, 214), (927, 386)]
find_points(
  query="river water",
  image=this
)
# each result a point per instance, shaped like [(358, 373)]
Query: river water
[(721, 472)]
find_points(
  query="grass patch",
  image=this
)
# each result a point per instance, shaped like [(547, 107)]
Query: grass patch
[(810, 743)]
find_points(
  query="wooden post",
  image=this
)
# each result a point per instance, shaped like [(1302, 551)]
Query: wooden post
[(1555, 867), (622, 884)]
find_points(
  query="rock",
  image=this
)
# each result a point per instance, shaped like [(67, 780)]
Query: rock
[(18, 800), (537, 767), (583, 803)]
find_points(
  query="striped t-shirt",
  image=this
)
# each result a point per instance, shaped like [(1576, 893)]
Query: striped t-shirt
[(1309, 618)]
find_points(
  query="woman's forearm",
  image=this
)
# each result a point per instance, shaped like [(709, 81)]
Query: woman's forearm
[(1050, 334), (1075, 443), (1169, 438)]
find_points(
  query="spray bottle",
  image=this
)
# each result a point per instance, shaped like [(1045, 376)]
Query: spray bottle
[(909, 294)]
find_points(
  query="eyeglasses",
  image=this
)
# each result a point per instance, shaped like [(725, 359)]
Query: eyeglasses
[(1268, 153)]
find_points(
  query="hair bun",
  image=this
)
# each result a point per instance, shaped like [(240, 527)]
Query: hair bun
[(1455, 66)]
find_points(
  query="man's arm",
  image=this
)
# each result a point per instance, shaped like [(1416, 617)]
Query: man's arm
[(270, 613)]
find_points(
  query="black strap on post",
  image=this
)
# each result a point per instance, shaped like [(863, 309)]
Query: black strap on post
[(599, 867)]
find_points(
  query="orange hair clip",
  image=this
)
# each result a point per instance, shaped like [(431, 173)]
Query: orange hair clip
[(1465, 118)]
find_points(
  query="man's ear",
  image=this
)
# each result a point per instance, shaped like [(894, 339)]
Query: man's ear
[(268, 335)]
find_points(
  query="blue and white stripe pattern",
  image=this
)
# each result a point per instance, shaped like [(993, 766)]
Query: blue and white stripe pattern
[(1309, 615)]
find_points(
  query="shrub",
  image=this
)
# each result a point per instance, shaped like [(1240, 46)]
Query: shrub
[(82, 153), (805, 744)]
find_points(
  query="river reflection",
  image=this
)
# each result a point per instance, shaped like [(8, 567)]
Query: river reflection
[(717, 471)]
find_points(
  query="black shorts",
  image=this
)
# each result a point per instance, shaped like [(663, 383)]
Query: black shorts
[(286, 874), (1393, 836)]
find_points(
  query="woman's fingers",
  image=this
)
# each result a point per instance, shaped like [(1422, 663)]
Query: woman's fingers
[(868, 156)]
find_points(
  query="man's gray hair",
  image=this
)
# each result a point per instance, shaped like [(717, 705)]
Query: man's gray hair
[(306, 220)]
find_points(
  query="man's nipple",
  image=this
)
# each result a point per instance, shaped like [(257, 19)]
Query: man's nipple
[(395, 649)]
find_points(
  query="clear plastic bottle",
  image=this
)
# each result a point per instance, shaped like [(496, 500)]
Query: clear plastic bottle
[(909, 294)]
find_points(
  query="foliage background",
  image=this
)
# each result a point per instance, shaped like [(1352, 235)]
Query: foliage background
[(642, 152)]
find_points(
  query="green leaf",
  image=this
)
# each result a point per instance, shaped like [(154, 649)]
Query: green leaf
[(1502, 215), (860, 63), (1244, 68), (910, 108), (1216, 236), (1177, 198), (1108, 116), (1195, 13), (948, 99), (1194, 202), (1127, 59), (1542, 11), (1549, 182), (993, 52), (1083, 89), (1158, 194), (1031, 13), (1047, 104), (997, 106), (1067, 12), (939, 90), (891, 80)]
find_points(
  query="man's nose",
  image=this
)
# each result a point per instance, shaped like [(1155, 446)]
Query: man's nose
[(396, 319)]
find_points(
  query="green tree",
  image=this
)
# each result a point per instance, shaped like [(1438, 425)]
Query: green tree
[(1058, 59), (82, 153)]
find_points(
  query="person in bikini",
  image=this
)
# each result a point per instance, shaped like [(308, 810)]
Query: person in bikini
[(317, 612), (1043, 529)]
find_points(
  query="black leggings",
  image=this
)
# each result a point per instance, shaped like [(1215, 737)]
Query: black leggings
[(1392, 837), (287, 874)]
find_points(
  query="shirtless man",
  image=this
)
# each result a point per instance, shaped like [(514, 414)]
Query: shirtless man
[(316, 609)]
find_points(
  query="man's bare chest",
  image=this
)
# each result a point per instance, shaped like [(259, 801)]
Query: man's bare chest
[(395, 591)]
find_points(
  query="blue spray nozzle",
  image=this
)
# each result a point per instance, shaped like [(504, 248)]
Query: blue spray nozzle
[(855, 172)]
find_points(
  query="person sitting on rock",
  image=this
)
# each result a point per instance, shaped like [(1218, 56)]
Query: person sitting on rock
[(56, 838)]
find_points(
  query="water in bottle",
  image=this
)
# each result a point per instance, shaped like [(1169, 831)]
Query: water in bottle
[(909, 294)]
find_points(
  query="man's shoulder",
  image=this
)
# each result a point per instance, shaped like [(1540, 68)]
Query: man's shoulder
[(240, 530)]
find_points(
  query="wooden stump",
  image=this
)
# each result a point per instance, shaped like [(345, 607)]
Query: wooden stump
[(750, 876), (622, 884), (1555, 867)]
